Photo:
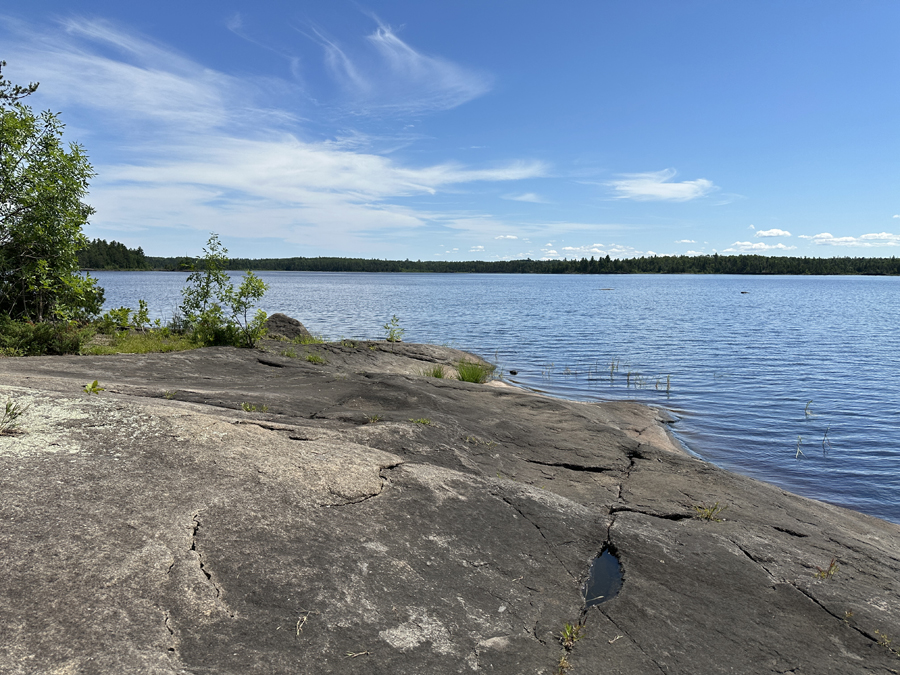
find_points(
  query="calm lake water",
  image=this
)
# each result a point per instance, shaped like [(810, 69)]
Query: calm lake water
[(753, 367)]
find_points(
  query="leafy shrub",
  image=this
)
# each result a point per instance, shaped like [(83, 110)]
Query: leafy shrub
[(23, 338)]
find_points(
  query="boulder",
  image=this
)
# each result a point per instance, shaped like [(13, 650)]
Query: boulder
[(281, 326)]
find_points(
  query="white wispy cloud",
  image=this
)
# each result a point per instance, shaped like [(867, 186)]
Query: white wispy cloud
[(389, 74), (476, 249), (506, 236), (685, 241), (773, 233), (758, 247), (188, 147), (865, 240), (657, 186), (896, 215), (526, 197), (602, 250)]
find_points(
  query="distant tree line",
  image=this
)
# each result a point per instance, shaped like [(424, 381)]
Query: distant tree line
[(98, 255), (705, 264), (101, 255)]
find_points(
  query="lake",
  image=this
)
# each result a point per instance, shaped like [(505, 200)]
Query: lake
[(792, 380)]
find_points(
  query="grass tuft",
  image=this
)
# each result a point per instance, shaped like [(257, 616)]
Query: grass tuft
[(315, 358), (470, 371), (436, 370), (309, 340), (9, 420), (710, 513)]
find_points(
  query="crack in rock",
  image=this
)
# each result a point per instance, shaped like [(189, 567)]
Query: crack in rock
[(271, 364), (755, 561), (571, 467), (365, 498), (543, 536), (624, 633), (665, 516), (202, 567), (793, 533), (830, 613)]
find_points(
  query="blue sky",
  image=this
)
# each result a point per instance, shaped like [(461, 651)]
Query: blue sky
[(477, 130)]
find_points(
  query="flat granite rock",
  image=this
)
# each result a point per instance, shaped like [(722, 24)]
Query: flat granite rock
[(251, 511)]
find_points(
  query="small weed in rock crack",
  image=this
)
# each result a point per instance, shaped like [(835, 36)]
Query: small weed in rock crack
[(93, 388), (885, 642), (9, 420), (371, 419), (828, 572), (420, 420), (570, 634), (709, 513), (249, 407), (315, 358)]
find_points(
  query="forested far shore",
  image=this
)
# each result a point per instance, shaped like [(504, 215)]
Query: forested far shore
[(100, 255)]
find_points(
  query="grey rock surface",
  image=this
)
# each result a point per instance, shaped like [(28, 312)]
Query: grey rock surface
[(248, 511)]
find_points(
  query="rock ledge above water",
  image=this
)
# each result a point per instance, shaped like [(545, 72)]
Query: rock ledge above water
[(363, 518)]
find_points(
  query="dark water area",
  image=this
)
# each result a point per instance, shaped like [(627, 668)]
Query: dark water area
[(604, 579), (753, 368)]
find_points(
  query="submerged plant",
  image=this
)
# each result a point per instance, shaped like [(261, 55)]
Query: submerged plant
[(799, 451), (826, 444)]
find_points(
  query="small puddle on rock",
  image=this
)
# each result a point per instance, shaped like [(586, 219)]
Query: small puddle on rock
[(604, 580)]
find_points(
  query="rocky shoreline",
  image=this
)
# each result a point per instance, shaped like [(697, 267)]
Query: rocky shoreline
[(252, 511)]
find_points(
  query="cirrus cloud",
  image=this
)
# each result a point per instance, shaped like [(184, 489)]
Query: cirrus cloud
[(657, 186), (759, 247), (865, 240), (526, 197)]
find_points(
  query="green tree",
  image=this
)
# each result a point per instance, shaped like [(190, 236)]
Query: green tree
[(209, 288), (42, 185)]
